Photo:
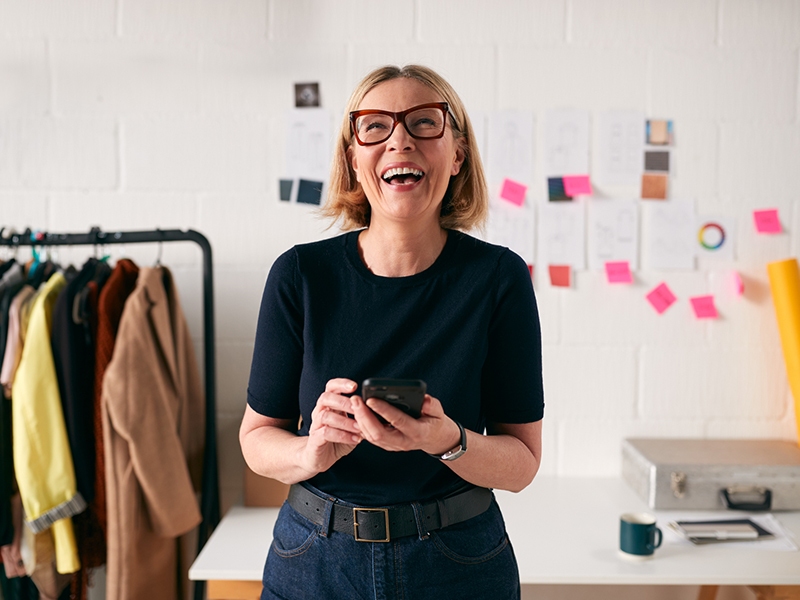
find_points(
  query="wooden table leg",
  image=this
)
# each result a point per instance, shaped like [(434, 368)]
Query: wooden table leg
[(707, 592), (776, 592), (233, 590)]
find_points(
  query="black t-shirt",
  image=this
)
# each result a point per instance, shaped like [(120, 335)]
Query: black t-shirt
[(468, 326)]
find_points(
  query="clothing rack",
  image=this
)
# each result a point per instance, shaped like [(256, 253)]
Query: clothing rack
[(210, 507)]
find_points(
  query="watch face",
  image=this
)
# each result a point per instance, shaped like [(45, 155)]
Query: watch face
[(453, 454)]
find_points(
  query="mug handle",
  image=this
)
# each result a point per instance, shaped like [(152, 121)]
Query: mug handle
[(656, 533)]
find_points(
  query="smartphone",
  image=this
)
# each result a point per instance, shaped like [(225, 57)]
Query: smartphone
[(405, 394)]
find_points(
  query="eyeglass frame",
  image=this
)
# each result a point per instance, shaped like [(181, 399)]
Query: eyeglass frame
[(399, 117)]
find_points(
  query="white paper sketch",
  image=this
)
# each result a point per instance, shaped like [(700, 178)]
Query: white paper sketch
[(566, 142), (613, 233), (561, 235), (669, 234), (619, 148), (510, 147), (308, 143), (513, 227)]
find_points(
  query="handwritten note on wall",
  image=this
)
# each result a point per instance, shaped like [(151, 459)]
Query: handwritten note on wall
[(566, 142), (510, 147), (561, 236), (669, 235), (619, 145), (513, 227), (613, 232)]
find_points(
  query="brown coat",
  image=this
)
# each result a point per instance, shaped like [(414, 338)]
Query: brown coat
[(154, 416)]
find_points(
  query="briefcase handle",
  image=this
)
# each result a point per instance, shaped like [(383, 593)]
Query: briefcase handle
[(730, 502)]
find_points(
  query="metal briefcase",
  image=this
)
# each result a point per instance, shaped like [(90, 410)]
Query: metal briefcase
[(686, 474)]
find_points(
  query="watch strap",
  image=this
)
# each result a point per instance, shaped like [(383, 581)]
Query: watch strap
[(457, 451)]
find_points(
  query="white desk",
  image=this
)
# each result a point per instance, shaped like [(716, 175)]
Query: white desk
[(564, 531)]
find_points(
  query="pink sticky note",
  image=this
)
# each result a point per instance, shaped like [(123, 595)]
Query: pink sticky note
[(704, 307), (661, 298), (767, 221), (513, 191), (736, 283), (619, 272), (560, 275), (577, 185)]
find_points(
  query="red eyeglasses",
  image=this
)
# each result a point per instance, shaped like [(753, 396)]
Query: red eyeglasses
[(423, 122)]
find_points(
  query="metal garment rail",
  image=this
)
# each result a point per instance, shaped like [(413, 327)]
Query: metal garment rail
[(210, 508)]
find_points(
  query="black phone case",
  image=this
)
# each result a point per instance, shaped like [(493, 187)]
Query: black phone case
[(405, 394)]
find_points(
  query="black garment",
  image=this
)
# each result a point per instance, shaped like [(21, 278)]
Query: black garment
[(6, 446), (468, 326), (17, 588), (41, 274), (6, 473), (84, 313), (6, 266), (73, 355)]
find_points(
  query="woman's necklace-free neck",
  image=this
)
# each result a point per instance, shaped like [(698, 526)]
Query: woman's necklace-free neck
[(399, 252)]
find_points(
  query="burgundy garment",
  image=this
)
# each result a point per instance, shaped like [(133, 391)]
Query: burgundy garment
[(109, 310)]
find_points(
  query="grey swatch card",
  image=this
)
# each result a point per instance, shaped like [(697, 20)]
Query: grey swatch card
[(656, 160)]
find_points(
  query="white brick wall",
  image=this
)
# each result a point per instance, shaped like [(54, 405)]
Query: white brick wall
[(24, 73), (752, 23), (646, 23), (727, 84), (196, 153), (51, 153), (538, 22), (54, 19), (555, 76), (144, 113), (124, 78), (236, 21)]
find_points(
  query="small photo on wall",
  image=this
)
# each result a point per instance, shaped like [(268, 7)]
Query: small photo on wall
[(656, 160), (301, 191), (658, 133), (306, 94), (654, 186)]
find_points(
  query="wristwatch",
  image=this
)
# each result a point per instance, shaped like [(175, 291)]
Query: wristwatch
[(459, 450)]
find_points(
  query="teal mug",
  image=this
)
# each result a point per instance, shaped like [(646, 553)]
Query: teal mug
[(638, 536)]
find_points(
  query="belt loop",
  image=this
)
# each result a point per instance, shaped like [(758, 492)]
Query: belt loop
[(327, 518), (444, 519), (419, 517)]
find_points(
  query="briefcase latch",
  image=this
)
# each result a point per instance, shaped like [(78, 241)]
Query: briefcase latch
[(746, 497), (678, 483)]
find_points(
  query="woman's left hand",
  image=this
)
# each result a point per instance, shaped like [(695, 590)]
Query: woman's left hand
[(433, 432)]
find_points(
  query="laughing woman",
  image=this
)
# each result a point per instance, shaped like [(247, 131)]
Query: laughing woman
[(397, 507)]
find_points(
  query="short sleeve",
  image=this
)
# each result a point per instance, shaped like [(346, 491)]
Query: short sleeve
[(278, 353), (512, 389)]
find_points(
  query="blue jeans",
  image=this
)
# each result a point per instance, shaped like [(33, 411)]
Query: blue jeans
[(472, 559)]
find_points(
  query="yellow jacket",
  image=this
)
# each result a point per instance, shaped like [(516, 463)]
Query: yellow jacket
[(42, 458)]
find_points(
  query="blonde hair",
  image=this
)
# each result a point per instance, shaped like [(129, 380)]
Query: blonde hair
[(466, 203)]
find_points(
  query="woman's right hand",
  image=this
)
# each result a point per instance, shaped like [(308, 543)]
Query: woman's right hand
[(333, 434)]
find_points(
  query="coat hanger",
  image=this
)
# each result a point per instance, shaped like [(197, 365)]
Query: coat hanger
[(8, 250), (117, 251), (35, 236), (160, 248)]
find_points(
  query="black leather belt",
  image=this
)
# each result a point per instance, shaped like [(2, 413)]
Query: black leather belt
[(387, 523)]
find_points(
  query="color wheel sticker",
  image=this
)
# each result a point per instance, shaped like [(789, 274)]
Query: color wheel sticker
[(711, 236)]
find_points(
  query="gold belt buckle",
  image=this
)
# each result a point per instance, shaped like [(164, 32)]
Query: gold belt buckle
[(385, 512)]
